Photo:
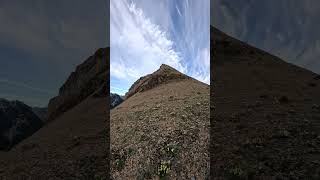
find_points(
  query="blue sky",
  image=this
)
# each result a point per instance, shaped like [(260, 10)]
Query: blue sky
[(147, 33)]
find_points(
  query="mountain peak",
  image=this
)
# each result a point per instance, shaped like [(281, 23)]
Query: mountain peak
[(164, 74), (164, 66)]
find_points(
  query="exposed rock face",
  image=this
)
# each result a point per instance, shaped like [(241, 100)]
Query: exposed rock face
[(17, 121), (265, 123), (115, 100), (87, 78), (163, 75)]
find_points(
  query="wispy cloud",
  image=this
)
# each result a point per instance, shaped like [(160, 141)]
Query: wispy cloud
[(141, 41), (178, 11), (26, 86)]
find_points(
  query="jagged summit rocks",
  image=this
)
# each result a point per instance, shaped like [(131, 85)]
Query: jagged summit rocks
[(162, 124), (83, 82), (164, 74)]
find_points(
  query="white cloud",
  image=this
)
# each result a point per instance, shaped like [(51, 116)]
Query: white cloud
[(202, 66), (141, 41), (178, 11), (138, 46)]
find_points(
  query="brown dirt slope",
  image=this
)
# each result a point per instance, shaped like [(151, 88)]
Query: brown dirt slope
[(166, 124), (72, 146), (266, 123)]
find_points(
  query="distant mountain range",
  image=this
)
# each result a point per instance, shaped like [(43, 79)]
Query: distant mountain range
[(17, 121), (115, 100)]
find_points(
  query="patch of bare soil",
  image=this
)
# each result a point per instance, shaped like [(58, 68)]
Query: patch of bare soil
[(266, 123), (162, 132)]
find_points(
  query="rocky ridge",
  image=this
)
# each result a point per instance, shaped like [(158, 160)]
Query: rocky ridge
[(85, 80), (163, 75)]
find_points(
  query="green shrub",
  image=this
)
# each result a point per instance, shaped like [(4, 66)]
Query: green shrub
[(164, 169)]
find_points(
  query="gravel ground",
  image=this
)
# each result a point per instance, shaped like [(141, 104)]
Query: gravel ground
[(162, 133)]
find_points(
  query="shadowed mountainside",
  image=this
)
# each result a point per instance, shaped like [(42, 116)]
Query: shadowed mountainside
[(266, 121), (161, 129), (75, 144)]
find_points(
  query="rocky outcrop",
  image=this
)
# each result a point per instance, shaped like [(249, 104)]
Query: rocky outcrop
[(17, 121), (115, 100), (163, 75), (88, 77)]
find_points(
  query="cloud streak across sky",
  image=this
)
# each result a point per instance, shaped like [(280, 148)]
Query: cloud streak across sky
[(145, 34)]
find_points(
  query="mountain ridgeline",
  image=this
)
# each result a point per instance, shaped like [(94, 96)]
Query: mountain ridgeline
[(88, 77)]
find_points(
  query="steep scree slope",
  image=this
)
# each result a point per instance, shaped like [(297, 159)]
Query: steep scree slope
[(266, 122), (163, 123)]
